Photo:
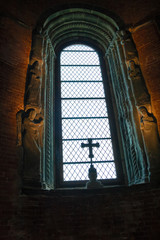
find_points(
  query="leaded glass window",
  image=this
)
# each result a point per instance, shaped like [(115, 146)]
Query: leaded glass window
[(84, 115)]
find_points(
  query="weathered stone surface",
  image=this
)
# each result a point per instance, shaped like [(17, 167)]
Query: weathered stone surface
[(147, 42), (32, 144), (33, 90), (139, 90), (152, 142)]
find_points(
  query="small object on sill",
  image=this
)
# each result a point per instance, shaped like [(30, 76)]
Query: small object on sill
[(93, 183)]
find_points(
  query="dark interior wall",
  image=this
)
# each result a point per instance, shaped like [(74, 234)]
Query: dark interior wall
[(132, 12), (132, 213), (117, 213)]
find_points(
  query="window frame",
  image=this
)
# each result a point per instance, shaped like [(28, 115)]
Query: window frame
[(105, 33), (58, 161)]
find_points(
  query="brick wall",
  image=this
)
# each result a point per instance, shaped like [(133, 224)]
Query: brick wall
[(114, 213), (118, 213), (13, 64)]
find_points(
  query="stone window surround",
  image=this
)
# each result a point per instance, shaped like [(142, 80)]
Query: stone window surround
[(91, 26)]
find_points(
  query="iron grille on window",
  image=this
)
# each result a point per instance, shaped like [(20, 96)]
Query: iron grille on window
[(84, 114)]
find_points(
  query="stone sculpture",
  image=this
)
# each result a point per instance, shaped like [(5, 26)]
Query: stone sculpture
[(30, 137), (30, 120), (148, 124), (32, 143), (151, 141), (33, 90), (140, 91), (32, 127), (150, 132)]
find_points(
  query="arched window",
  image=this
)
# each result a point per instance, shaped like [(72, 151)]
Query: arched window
[(82, 114), (71, 97)]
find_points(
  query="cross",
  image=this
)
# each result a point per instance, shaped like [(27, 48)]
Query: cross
[(90, 145)]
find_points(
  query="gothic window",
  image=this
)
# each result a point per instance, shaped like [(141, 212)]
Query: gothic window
[(82, 114)]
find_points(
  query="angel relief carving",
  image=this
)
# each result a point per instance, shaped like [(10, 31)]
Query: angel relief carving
[(140, 91), (30, 137), (151, 140), (30, 120), (150, 136), (32, 129)]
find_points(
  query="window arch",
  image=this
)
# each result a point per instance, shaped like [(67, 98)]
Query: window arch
[(103, 33)]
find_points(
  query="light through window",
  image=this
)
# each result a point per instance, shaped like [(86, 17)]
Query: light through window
[(84, 115)]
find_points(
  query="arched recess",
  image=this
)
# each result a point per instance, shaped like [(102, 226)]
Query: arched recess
[(128, 91)]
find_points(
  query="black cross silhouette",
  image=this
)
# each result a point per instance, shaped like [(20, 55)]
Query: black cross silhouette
[(90, 145)]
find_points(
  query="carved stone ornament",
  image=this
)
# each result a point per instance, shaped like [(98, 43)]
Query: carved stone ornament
[(30, 120), (140, 91), (30, 138), (33, 88), (129, 48), (36, 50), (148, 124), (151, 141)]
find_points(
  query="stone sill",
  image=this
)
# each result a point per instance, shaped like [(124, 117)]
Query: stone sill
[(76, 192)]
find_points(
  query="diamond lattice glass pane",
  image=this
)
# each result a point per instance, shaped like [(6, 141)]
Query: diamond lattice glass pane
[(79, 58), (73, 152), (82, 90), (75, 172), (78, 47), (84, 108), (78, 73), (79, 172), (105, 151), (85, 128), (90, 115), (105, 170)]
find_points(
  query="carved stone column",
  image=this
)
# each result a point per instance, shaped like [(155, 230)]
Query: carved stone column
[(48, 147), (135, 166)]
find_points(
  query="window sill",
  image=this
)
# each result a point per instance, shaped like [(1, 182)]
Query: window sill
[(85, 192)]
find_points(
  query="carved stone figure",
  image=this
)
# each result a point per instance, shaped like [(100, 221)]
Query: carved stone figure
[(32, 127), (133, 69), (139, 88), (36, 50), (129, 48), (33, 90), (30, 121), (29, 136), (151, 141)]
